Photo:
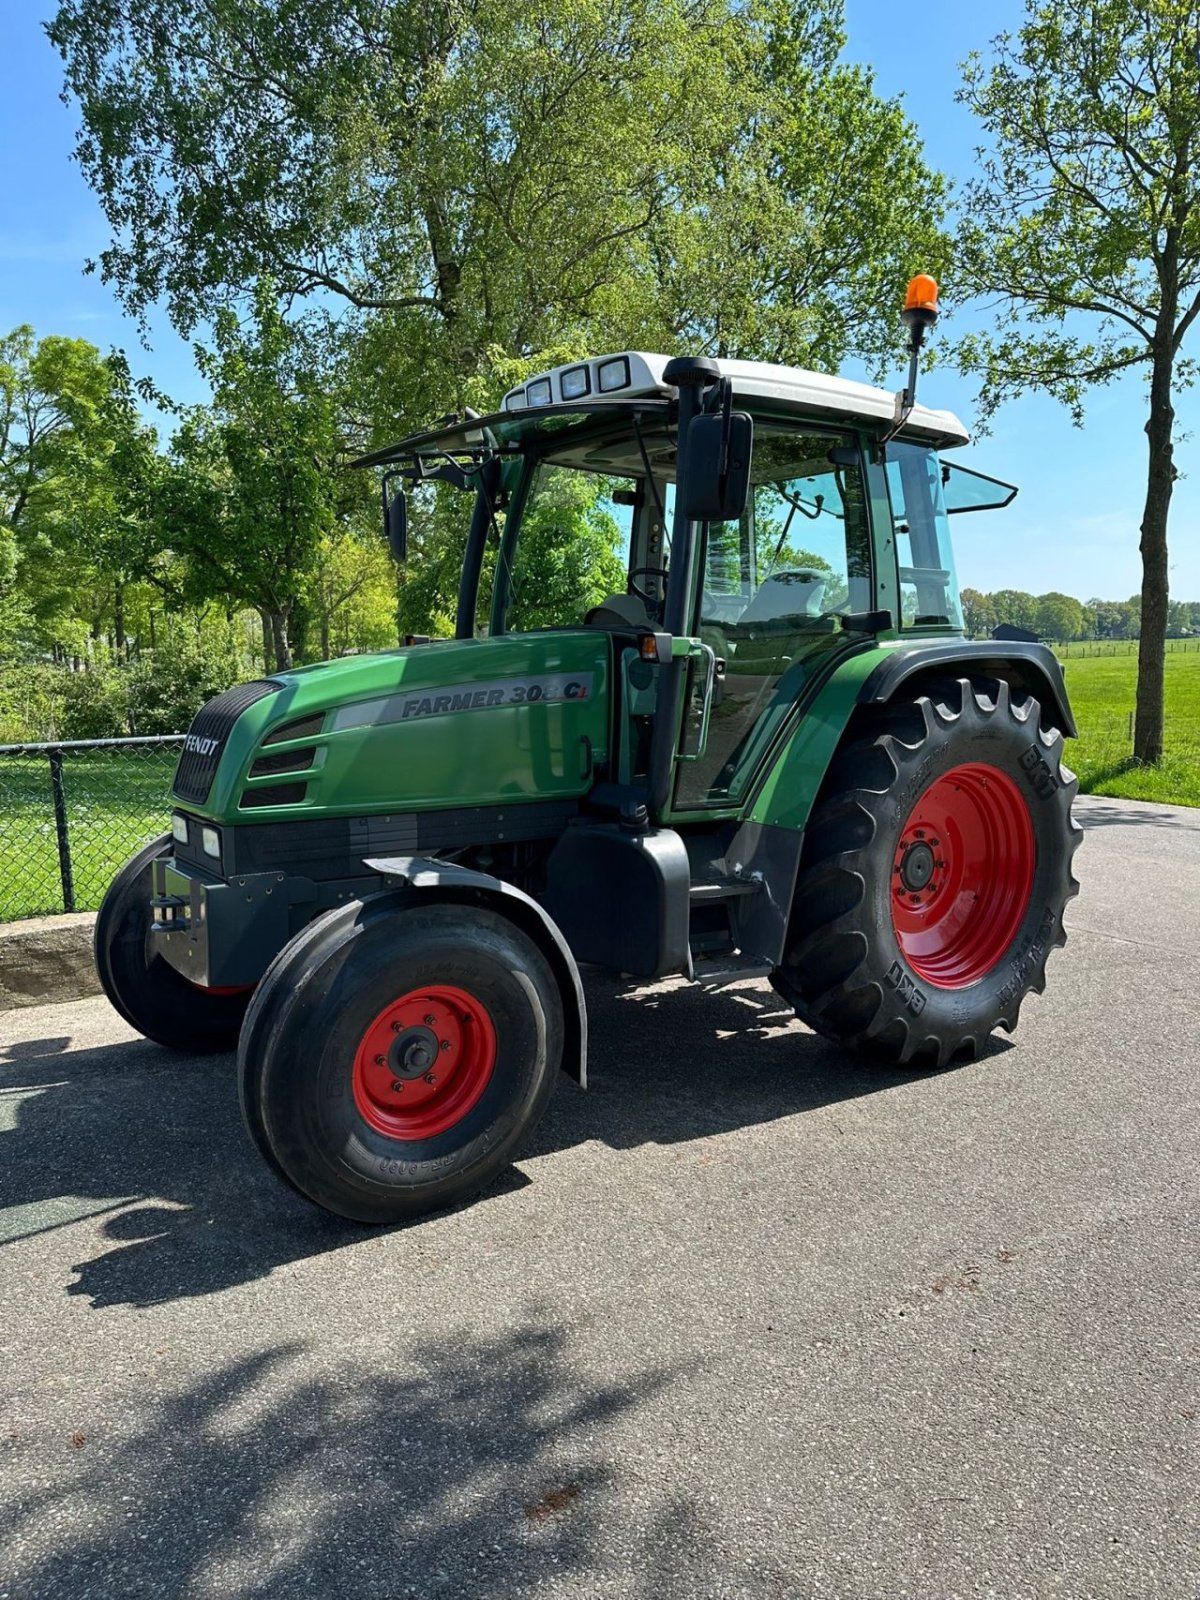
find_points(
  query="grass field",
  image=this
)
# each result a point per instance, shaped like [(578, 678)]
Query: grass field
[(1102, 689), (117, 801)]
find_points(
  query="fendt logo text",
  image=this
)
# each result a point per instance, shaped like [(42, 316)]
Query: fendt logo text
[(197, 746)]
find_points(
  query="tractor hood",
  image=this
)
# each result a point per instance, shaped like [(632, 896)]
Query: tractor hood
[(470, 722)]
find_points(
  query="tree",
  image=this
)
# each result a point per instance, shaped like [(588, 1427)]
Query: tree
[(1016, 608), (253, 485), (476, 181), (979, 614), (1059, 617), (1087, 208), (71, 449)]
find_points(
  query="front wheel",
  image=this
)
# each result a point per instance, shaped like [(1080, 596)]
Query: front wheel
[(147, 991), (396, 1054), (935, 873)]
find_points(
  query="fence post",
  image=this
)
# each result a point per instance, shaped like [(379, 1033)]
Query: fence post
[(60, 829)]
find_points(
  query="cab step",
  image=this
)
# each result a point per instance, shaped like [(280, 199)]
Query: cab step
[(718, 972), (724, 888)]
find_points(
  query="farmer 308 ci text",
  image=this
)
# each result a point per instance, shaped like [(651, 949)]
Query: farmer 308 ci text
[(772, 753)]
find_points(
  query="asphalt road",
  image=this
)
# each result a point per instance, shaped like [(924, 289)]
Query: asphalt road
[(747, 1320)]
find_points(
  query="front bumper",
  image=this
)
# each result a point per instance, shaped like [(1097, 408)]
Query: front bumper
[(217, 932)]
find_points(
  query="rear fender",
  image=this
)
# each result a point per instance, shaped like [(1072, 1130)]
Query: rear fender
[(1026, 667), (427, 880), (790, 786)]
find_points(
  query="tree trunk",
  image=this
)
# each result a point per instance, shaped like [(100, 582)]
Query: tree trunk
[(1148, 722), (279, 640), (119, 620)]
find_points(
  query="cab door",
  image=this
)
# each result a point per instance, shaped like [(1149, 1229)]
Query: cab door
[(774, 589)]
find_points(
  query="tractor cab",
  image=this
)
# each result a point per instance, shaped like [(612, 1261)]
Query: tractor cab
[(584, 487)]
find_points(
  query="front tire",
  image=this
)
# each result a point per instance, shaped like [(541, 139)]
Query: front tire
[(394, 1060), (935, 873), (146, 990)]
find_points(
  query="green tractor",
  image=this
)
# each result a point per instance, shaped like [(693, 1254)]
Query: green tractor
[(772, 754)]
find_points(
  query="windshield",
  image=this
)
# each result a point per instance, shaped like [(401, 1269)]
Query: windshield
[(572, 552)]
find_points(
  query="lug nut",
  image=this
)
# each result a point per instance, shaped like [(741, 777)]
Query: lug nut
[(397, 1086), (381, 1061), (429, 1021), (430, 1078), (445, 1045), (395, 1027)]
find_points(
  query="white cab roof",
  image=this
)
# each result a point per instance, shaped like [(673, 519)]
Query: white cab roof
[(815, 393)]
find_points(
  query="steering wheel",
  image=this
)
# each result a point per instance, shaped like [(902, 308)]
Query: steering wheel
[(656, 572)]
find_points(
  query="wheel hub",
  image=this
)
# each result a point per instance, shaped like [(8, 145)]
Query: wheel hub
[(424, 1062), (962, 876), (916, 866), (413, 1053)]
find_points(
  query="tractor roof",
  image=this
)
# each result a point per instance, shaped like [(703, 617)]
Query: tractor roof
[(631, 380), (633, 372)]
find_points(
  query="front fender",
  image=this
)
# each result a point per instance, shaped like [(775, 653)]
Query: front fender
[(431, 879)]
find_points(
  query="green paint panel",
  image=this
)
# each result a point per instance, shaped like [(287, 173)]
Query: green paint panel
[(462, 723), (786, 797)]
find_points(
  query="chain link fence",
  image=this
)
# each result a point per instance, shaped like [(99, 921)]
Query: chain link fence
[(72, 813)]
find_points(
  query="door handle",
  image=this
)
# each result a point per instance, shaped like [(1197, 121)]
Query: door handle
[(710, 678)]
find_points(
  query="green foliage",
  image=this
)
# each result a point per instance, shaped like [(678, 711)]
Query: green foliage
[(1083, 233), (567, 558), (496, 177), (1060, 617), (31, 697), (1087, 201), (252, 488)]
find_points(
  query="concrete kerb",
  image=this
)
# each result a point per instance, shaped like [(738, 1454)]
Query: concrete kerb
[(46, 960)]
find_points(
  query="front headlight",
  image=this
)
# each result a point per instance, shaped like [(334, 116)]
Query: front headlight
[(210, 843), (539, 393), (179, 828)]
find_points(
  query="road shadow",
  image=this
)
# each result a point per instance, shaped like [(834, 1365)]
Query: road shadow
[(485, 1466), (156, 1138), (1102, 813)]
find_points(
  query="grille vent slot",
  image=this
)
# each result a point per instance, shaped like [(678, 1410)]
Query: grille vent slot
[(301, 728), (275, 794), (284, 761)]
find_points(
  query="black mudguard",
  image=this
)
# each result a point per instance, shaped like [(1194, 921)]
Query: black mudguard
[(1031, 668), (428, 879)]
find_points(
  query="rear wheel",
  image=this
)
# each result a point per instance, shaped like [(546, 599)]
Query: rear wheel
[(393, 1061), (936, 869), (151, 996)]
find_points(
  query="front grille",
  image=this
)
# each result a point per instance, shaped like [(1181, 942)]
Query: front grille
[(207, 735)]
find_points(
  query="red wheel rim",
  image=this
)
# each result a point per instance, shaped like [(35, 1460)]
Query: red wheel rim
[(962, 875), (424, 1062)]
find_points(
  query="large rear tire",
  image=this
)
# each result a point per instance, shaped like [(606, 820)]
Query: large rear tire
[(148, 992), (396, 1055), (935, 873)]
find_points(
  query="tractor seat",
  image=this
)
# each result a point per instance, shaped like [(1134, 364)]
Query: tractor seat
[(618, 611), (786, 594)]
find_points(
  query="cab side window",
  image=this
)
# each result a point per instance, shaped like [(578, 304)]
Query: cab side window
[(924, 553)]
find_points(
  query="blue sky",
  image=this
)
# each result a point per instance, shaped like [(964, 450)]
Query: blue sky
[(1074, 525)]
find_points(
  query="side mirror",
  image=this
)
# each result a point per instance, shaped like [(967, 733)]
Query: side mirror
[(717, 457), (395, 522)]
